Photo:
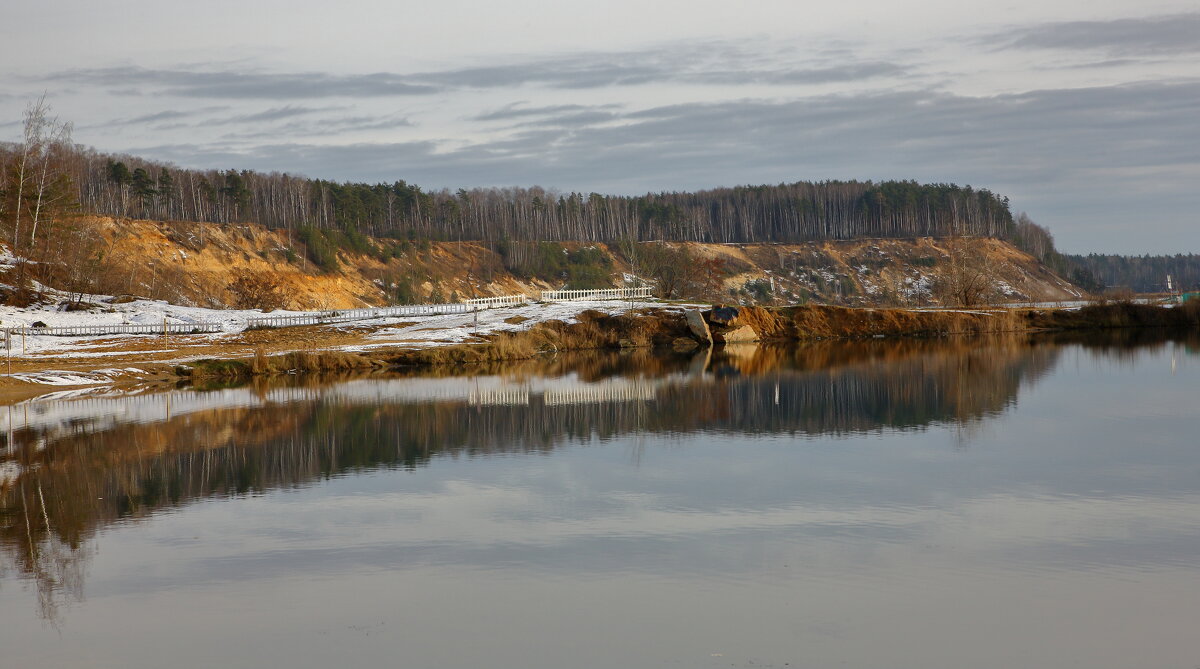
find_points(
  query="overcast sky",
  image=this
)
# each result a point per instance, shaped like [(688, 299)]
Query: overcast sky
[(1085, 113)]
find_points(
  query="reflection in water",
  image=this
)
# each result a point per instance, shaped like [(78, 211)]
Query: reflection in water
[(70, 468)]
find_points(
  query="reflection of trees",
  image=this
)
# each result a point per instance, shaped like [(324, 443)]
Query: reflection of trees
[(909, 386), (55, 560), (67, 486)]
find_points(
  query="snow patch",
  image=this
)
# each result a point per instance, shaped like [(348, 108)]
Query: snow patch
[(62, 378)]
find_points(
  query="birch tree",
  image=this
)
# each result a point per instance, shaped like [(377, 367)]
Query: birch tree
[(38, 190)]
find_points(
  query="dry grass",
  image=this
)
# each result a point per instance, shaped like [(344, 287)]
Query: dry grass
[(296, 362), (824, 322), (1117, 315)]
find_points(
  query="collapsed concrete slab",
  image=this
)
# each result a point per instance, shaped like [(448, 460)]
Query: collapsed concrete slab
[(698, 327), (743, 334), (723, 315)]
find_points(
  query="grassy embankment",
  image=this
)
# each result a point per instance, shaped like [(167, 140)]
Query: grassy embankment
[(658, 327)]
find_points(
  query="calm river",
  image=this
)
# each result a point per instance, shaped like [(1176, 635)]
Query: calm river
[(1026, 502)]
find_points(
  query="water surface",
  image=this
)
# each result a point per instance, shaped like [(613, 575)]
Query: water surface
[(982, 503)]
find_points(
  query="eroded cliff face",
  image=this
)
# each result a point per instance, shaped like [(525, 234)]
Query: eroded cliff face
[(884, 272), (196, 264)]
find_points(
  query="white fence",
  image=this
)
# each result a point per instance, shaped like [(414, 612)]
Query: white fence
[(328, 317), (598, 294), (115, 329), (348, 315), (503, 300)]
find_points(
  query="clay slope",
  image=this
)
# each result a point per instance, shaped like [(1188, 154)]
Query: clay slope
[(196, 263)]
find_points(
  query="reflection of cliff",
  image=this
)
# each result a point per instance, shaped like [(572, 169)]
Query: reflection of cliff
[(844, 388), (62, 476)]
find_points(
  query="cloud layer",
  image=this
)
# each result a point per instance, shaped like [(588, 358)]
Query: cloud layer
[(1087, 123)]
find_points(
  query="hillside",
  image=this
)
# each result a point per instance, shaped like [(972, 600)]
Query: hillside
[(197, 263), (258, 240)]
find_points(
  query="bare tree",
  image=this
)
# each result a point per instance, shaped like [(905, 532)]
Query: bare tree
[(969, 275), (38, 189)]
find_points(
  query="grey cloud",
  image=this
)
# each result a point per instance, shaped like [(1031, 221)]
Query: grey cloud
[(240, 85), (819, 75), (1042, 134), (326, 126), (168, 115), (269, 115), (1108, 62), (711, 63), (159, 117), (367, 162), (1153, 35), (516, 111), (277, 113), (693, 64), (356, 123), (571, 120), (571, 72)]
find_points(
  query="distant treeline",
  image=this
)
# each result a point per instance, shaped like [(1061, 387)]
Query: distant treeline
[(1142, 274), (127, 186)]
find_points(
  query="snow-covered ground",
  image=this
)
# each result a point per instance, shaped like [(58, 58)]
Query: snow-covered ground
[(142, 312), (457, 328)]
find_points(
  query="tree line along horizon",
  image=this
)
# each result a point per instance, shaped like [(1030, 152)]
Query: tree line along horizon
[(46, 177)]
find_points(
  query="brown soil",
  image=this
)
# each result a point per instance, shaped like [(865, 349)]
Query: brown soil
[(195, 263)]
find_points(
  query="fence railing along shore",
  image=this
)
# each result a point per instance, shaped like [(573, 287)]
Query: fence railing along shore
[(101, 329), (348, 315), (597, 294), (325, 317)]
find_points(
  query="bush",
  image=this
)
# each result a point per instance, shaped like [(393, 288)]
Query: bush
[(320, 250), (257, 291), (760, 290), (403, 288), (583, 268), (351, 239)]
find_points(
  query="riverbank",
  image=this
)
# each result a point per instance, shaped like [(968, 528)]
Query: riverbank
[(663, 328), (138, 364)]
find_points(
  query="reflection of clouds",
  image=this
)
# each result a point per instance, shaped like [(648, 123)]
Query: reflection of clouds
[(1020, 524), (477, 524), (814, 540)]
